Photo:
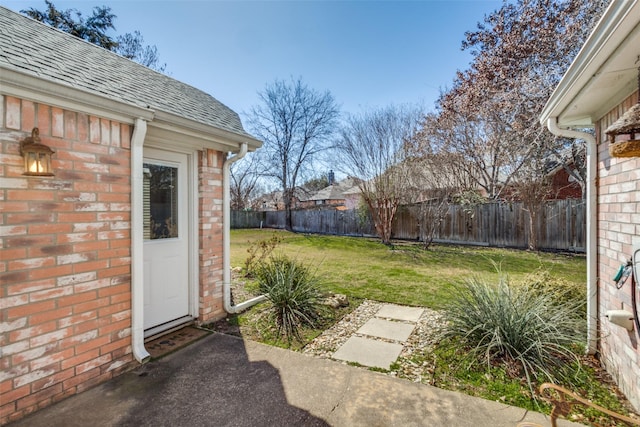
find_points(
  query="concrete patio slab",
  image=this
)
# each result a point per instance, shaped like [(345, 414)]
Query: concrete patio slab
[(368, 352), (226, 381), (399, 312), (388, 329)]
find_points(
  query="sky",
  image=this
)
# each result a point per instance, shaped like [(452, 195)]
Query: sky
[(368, 54)]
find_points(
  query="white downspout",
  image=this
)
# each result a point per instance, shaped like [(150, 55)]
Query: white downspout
[(592, 247), (137, 242), (226, 237)]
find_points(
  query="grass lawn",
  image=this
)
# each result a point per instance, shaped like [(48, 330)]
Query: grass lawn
[(403, 274)]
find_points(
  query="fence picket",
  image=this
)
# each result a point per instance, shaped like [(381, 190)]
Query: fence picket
[(561, 224)]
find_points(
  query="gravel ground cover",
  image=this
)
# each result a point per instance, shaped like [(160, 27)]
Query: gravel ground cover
[(424, 335)]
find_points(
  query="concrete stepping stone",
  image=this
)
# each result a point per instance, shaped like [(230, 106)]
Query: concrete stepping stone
[(398, 312), (388, 329), (368, 352)]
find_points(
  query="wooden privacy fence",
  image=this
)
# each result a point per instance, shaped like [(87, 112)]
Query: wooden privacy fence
[(248, 219), (560, 226), (343, 223)]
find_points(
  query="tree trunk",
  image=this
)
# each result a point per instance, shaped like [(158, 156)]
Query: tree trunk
[(533, 237), (287, 198), (383, 214), (288, 221)]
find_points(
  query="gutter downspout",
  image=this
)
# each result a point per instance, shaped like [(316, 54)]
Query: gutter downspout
[(592, 230), (137, 242), (226, 238)]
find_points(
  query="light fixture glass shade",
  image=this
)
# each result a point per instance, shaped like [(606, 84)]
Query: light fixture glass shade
[(37, 156)]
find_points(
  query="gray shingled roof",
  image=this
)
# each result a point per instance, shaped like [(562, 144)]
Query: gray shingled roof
[(37, 49), (337, 190)]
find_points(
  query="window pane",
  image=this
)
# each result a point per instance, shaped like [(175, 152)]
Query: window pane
[(160, 201)]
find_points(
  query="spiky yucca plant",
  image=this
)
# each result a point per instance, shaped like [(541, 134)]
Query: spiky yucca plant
[(293, 294), (518, 327)]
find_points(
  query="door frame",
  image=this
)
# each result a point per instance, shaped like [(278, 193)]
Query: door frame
[(167, 132), (192, 232)]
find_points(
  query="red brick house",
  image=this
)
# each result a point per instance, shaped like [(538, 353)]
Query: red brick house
[(562, 174), (599, 88), (563, 186), (127, 237)]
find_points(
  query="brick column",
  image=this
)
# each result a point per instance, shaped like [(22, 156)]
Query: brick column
[(210, 235)]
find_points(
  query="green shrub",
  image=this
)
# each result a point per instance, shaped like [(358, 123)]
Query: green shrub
[(524, 330), (293, 293)]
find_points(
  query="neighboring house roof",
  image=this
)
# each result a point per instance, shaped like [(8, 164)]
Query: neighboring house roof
[(603, 73), (332, 192), (336, 191), (278, 195), (33, 48)]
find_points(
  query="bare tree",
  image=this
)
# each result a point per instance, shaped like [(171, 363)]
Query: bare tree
[(438, 178), (434, 186), (429, 214), (245, 181), (450, 164), (296, 124), (490, 115), (374, 148), (486, 152), (532, 186)]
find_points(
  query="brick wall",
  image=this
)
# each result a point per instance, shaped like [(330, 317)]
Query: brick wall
[(65, 264), (563, 187), (618, 232), (210, 236)]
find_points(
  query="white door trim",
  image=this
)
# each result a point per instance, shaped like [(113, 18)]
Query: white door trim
[(193, 228), (194, 234)]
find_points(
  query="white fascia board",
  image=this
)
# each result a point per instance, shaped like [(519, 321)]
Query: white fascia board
[(209, 136), (619, 20), (36, 89), (172, 138)]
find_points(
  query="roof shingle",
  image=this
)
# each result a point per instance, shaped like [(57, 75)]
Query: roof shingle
[(30, 47)]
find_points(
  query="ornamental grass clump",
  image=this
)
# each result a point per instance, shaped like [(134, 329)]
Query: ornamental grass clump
[(562, 291), (516, 327), (293, 294)]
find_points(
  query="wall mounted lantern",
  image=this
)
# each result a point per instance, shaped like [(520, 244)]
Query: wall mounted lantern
[(624, 134), (37, 156)]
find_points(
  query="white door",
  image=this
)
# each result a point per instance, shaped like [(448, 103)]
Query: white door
[(166, 243)]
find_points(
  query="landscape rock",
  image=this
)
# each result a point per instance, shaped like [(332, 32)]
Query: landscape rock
[(337, 301)]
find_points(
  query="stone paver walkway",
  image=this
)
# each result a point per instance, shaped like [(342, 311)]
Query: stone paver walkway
[(379, 342)]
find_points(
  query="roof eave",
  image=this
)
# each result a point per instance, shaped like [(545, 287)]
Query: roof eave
[(36, 89), (619, 21), (215, 135)]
